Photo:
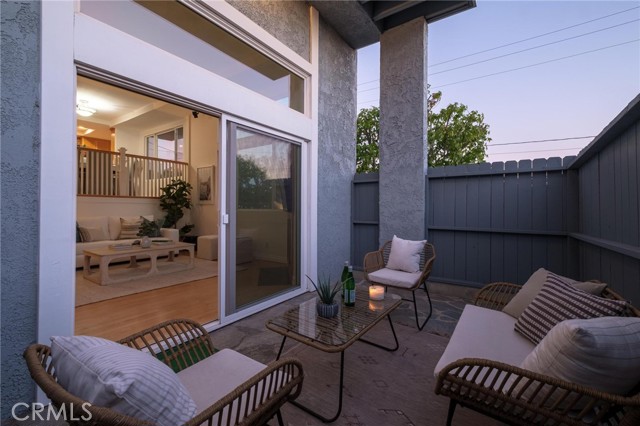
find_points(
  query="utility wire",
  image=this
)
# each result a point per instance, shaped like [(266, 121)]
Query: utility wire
[(534, 47), (542, 140), (532, 38), (539, 63), (540, 150)]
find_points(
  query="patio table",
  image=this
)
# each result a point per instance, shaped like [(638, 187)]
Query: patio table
[(332, 335)]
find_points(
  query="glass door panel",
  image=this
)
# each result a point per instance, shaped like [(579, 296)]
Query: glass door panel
[(265, 233)]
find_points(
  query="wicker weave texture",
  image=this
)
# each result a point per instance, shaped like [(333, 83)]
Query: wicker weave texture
[(179, 344)]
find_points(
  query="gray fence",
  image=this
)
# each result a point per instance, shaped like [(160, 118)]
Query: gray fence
[(578, 216)]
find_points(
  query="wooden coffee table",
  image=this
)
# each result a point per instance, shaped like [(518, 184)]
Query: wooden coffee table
[(336, 334), (106, 255)]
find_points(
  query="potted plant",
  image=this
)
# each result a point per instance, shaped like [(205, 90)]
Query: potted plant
[(176, 196), (327, 306)]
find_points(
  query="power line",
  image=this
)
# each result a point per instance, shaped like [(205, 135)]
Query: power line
[(539, 63), (534, 47), (540, 150), (367, 82), (542, 140), (532, 38)]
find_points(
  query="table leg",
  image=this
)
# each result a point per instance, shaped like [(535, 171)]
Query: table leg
[(386, 348), (309, 410)]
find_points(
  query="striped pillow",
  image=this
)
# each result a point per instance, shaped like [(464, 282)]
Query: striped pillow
[(129, 229), (603, 353), (558, 301), (126, 380)]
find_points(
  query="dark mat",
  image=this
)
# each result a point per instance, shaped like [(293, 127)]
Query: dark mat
[(278, 275)]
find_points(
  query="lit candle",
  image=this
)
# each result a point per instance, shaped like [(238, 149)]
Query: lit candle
[(376, 292)]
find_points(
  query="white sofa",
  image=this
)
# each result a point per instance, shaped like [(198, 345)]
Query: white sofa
[(491, 368), (110, 226)]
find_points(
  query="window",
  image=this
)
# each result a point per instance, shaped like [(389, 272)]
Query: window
[(167, 145)]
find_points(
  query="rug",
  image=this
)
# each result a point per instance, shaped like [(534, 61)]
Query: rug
[(90, 292), (278, 275)]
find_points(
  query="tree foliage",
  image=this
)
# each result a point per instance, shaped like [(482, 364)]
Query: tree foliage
[(455, 134)]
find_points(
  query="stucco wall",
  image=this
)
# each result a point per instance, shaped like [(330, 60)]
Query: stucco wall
[(336, 150), (288, 21), (20, 155)]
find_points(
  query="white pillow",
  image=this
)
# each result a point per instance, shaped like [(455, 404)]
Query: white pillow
[(603, 353), (129, 381), (405, 255)]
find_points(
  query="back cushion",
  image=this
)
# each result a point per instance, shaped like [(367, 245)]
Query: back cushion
[(96, 222)]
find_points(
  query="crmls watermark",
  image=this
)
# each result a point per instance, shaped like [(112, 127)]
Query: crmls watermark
[(38, 411)]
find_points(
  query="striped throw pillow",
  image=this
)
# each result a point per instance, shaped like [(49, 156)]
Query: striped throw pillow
[(558, 301), (126, 380), (129, 229)]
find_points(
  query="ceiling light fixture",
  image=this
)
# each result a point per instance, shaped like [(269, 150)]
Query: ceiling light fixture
[(82, 109)]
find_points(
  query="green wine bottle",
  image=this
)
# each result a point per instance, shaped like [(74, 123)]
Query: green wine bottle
[(345, 275), (350, 289)]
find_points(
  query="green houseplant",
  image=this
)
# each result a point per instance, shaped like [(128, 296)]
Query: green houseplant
[(327, 306), (176, 196)]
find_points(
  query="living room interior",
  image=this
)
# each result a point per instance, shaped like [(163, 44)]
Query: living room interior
[(129, 146)]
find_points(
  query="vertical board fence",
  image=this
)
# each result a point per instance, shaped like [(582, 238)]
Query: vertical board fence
[(364, 216), (499, 221)]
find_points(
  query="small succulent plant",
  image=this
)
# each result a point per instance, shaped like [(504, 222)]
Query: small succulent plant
[(325, 289)]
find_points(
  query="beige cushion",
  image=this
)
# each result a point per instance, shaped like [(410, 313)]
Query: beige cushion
[(114, 224), (558, 301), (126, 380), (532, 287), (394, 278), (129, 228), (603, 353), (214, 377), (89, 235), (96, 222), (488, 334), (405, 255)]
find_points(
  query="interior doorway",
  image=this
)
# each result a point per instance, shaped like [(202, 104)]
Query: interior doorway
[(129, 147)]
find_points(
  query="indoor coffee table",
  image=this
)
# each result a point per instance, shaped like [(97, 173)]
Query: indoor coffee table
[(303, 324), (106, 255)]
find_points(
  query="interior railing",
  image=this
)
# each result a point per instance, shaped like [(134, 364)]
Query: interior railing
[(116, 174)]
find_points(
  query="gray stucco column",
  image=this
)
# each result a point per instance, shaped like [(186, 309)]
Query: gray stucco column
[(403, 130)]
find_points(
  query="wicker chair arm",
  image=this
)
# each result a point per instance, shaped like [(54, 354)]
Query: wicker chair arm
[(258, 399), (520, 394), (496, 295), (373, 261)]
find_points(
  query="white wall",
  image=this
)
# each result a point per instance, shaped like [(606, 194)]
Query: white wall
[(204, 133), (107, 206)]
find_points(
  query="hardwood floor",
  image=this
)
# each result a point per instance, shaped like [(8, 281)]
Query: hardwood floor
[(117, 318)]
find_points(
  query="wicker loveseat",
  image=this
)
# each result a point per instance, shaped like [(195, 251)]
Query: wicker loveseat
[(512, 394), (226, 387)]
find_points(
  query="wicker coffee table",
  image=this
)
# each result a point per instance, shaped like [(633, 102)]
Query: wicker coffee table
[(336, 334)]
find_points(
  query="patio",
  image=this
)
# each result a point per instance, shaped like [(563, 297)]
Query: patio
[(380, 388)]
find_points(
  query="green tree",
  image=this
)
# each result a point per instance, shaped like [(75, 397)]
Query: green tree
[(254, 189), (455, 135), (367, 153)]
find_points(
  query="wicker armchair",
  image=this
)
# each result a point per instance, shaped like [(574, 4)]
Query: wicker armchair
[(377, 260), (180, 344), (482, 385)]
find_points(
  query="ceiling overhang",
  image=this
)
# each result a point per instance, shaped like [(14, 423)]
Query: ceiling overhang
[(361, 22)]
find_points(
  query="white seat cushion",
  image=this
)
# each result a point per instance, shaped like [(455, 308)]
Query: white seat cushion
[(214, 377), (488, 334), (394, 278)]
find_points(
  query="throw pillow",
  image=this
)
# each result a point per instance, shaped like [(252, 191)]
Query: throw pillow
[(558, 301), (405, 255), (129, 228), (603, 353), (532, 287), (92, 234), (126, 380), (78, 234)]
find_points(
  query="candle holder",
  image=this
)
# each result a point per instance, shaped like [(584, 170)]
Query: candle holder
[(376, 305), (376, 292)]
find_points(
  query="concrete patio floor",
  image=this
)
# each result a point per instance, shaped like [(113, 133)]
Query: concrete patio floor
[(380, 388)]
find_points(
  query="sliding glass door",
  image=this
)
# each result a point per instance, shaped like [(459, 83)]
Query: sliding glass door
[(264, 230)]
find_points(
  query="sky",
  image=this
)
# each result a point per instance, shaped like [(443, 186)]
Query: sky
[(572, 97)]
